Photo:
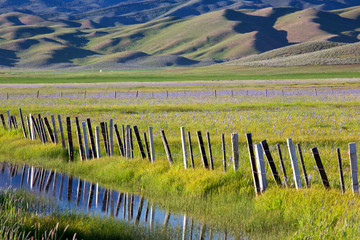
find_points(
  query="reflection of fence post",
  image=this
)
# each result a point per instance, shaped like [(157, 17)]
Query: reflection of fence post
[(184, 228), (354, 168)]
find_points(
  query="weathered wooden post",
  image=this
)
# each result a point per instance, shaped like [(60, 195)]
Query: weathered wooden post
[(261, 167), (223, 150), (184, 228), (22, 123), (38, 94), (91, 195), (128, 144), (86, 144), (9, 119), (183, 143), (3, 120), (191, 150), (303, 165), (70, 142), (151, 140), (147, 147), (61, 132), (271, 163), (78, 133), (294, 164), (210, 151), (118, 138), (48, 128), (235, 150), (138, 214), (131, 144), (107, 139), (91, 137), (340, 171), (354, 168), (215, 95), (103, 132), (111, 137), (97, 141), (253, 162), (320, 167), (29, 127), (202, 150), (139, 142), (166, 146), (282, 165), (54, 128)]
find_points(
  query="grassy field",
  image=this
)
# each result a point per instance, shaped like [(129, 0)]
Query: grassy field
[(225, 200), (212, 73)]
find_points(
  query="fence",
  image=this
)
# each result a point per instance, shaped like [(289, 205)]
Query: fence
[(89, 148)]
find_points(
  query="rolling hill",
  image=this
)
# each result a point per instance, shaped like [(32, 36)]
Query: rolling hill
[(30, 41)]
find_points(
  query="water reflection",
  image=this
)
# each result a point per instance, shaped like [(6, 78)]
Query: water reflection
[(81, 194)]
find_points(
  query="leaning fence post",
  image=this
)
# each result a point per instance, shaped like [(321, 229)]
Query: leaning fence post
[(9, 120), (340, 171), (271, 163), (139, 142), (147, 147), (253, 162), (183, 143), (128, 144), (282, 164), (54, 128), (91, 137), (210, 151), (354, 168), (166, 146), (118, 138), (48, 127), (3, 120), (22, 123), (320, 167), (61, 132), (70, 143), (202, 150), (111, 137), (28, 127), (294, 163), (235, 150), (261, 167), (223, 150), (78, 132), (191, 150), (152, 149), (97, 141), (86, 144), (303, 165)]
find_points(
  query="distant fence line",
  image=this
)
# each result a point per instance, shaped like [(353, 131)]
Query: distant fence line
[(286, 91), (128, 139)]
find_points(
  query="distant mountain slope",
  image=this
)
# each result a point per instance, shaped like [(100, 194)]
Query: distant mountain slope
[(29, 41), (118, 12)]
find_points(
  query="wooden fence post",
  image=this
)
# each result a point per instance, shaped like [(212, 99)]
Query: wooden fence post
[(37, 94), (78, 133), (320, 167), (103, 132), (303, 165), (235, 150), (210, 151), (22, 123), (61, 132), (282, 165), (202, 150), (183, 143), (354, 168), (340, 171), (166, 146), (147, 147), (139, 142), (28, 127), (261, 167), (118, 138), (131, 144), (97, 141), (107, 138), (294, 164), (9, 120), (128, 144), (223, 150), (271, 163), (253, 162), (191, 150), (54, 128), (91, 137), (48, 127), (86, 143), (111, 137), (3, 120), (70, 142), (152, 149)]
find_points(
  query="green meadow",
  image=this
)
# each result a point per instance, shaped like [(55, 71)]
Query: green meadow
[(224, 200)]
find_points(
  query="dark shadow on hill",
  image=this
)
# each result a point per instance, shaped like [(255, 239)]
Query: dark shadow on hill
[(267, 37), (15, 20), (27, 32), (67, 54), (75, 39), (8, 58), (335, 24)]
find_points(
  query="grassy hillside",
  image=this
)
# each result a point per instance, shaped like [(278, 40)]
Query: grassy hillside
[(28, 41)]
